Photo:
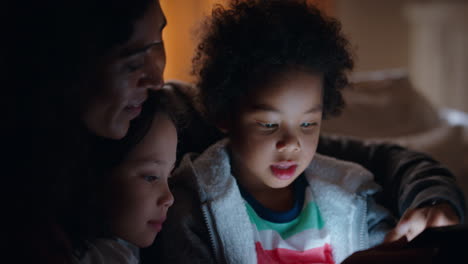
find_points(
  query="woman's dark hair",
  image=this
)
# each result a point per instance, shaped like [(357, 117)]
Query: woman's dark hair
[(251, 41), (47, 51)]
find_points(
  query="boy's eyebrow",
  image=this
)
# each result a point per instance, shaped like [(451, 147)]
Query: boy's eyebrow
[(314, 109), (264, 107)]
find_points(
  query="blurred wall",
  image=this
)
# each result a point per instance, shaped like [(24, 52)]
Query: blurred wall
[(184, 16), (438, 61), (377, 30), (381, 32), (429, 38)]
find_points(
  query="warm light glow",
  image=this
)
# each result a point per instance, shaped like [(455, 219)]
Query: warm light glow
[(179, 36)]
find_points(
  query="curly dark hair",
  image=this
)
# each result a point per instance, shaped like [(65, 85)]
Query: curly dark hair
[(253, 40)]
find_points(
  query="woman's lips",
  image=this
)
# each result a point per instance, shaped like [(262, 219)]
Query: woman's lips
[(284, 170), (133, 110), (134, 107)]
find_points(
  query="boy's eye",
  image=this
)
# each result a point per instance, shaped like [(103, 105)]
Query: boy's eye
[(268, 125), (308, 124), (150, 178)]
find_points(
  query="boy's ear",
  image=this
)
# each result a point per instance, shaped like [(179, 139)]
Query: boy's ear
[(223, 126)]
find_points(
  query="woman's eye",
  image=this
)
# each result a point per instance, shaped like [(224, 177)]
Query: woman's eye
[(134, 64), (308, 124), (268, 125), (132, 67), (150, 178)]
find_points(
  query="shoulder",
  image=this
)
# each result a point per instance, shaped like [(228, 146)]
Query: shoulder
[(348, 175), (208, 173), (110, 251)]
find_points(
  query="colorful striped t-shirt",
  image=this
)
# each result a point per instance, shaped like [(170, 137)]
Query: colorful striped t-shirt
[(295, 236)]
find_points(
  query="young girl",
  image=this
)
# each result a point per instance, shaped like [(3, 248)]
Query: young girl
[(269, 72), (136, 196)]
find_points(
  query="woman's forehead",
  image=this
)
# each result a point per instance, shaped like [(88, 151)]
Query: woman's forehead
[(147, 29)]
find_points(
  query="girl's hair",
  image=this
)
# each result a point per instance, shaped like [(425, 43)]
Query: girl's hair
[(114, 152), (108, 154), (50, 48), (251, 41)]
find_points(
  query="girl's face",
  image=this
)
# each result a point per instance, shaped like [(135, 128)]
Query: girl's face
[(275, 134), (124, 77), (141, 195)]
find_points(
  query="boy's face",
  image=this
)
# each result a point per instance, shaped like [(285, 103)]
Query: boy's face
[(141, 196), (275, 134)]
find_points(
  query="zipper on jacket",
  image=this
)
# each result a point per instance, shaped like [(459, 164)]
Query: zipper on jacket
[(209, 225), (360, 220), (364, 228), (363, 225)]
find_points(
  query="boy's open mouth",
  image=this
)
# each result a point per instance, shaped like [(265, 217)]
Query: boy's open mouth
[(284, 170)]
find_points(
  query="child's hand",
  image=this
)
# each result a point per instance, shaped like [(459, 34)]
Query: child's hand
[(414, 221)]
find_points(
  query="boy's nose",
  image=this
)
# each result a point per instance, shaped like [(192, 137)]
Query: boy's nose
[(288, 144)]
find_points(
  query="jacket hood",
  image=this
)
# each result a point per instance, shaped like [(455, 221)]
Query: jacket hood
[(212, 171), (340, 188)]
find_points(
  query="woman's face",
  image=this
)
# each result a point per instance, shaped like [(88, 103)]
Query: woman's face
[(124, 77), (141, 195)]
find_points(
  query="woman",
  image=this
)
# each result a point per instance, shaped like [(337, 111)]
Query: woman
[(76, 72)]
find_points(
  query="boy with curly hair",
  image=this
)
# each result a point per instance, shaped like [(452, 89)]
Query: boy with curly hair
[(269, 72)]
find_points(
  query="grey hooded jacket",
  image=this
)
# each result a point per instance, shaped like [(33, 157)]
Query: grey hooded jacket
[(209, 223)]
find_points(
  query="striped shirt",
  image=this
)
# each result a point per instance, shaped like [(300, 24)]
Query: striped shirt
[(294, 236)]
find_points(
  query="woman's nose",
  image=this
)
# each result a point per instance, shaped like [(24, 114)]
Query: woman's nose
[(155, 63), (152, 79)]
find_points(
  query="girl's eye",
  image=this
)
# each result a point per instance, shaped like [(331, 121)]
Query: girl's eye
[(268, 125), (150, 178), (308, 124)]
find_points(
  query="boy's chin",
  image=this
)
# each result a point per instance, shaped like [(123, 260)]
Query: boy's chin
[(281, 184)]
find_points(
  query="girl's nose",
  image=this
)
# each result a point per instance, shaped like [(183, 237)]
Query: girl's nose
[(166, 199)]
